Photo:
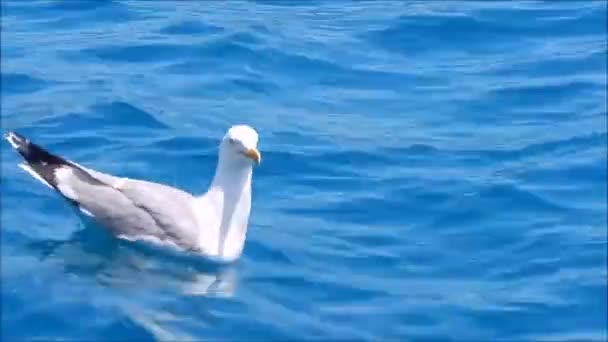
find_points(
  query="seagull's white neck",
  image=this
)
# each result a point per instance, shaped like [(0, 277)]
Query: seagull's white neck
[(223, 231)]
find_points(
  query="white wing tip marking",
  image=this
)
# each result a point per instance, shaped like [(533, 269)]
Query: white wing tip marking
[(86, 212), (119, 183), (62, 175), (125, 237), (149, 239), (10, 137), (33, 173)]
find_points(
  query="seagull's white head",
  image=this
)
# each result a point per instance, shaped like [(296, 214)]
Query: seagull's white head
[(241, 144)]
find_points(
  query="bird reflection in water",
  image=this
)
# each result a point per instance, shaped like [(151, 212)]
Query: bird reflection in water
[(93, 253)]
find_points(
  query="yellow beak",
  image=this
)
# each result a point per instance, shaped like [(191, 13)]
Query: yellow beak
[(254, 155)]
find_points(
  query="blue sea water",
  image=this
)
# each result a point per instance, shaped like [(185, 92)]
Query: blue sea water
[(431, 170)]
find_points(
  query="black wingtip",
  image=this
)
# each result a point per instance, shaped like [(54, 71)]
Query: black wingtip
[(31, 152)]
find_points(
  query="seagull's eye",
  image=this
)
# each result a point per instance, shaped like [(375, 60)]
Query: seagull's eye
[(231, 141)]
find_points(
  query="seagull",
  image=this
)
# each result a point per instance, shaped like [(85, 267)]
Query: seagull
[(213, 224)]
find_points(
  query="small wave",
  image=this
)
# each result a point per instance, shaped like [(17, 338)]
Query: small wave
[(191, 28), (574, 143), (152, 52), (17, 83), (80, 5), (181, 143), (123, 114), (537, 94)]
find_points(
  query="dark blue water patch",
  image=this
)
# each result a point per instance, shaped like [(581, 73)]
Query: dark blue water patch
[(8, 51), (12, 240), (514, 271), (359, 210), (244, 38), (319, 289), (588, 62), (545, 22), (375, 79), (79, 5), (334, 183), (525, 100), (142, 53), (426, 33), (97, 325), (59, 23), (371, 240), (74, 55), (9, 301), (55, 8), (286, 137), (223, 56), (196, 66), (536, 95), (123, 114), (191, 27), (522, 117), (35, 325), (577, 174), (495, 203), (241, 87), (362, 255), (292, 3), (202, 56), (399, 202), (354, 158), (413, 150), (419, 155), (184, 144), (250, 327), (440, 159), (548, 267), (561, 146), (80, 20), (116, 115), (256, 86), (19, 8), (226, 49), (544, 318), (124, 326), (275, 162), (511, 199), (82, 142), (304, 66), (263, 252), (260, 28), (57, 14), (91, 240), (475, 33), (567, 234), (332, 73), (17, 83)]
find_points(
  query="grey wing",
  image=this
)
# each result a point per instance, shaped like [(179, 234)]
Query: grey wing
[(132, 208), (170, 208)]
